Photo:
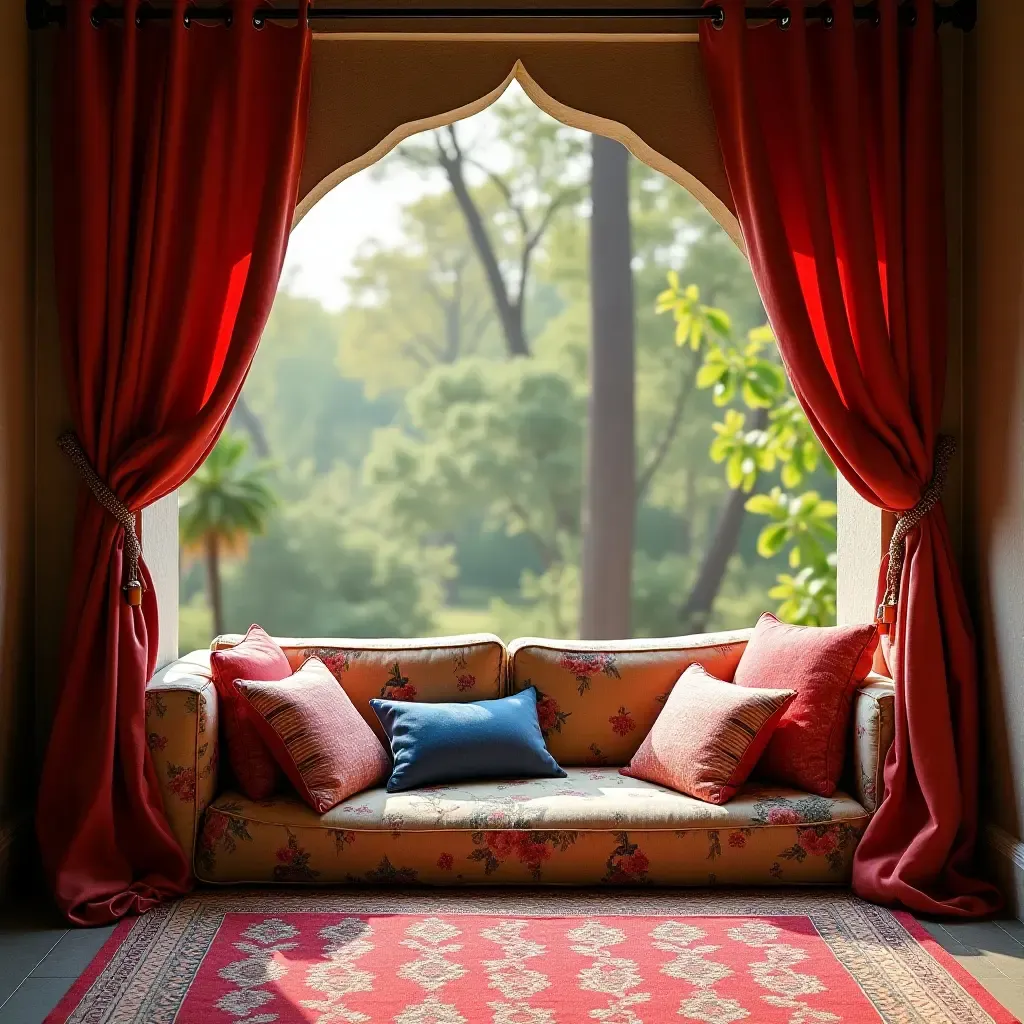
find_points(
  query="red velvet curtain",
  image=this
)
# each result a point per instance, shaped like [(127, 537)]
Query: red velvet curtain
[(832, 142), (176, 159)]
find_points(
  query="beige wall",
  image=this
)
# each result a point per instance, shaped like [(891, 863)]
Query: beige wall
[(599, 83), (56, 482), (16, 431), (994, 406)]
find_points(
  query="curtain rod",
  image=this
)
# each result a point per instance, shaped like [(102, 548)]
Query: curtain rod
[(961, 14)]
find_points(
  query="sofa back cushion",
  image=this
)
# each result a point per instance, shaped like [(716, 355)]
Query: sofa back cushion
[(450, 668), (597, 700)]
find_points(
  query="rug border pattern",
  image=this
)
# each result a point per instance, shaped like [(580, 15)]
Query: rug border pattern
[(144, 970)]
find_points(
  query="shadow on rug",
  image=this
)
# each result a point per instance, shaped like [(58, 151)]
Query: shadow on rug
[(524, 957)]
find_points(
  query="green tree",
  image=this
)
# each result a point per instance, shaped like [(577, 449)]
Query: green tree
[(446, 510), (417, 303), (224, 503), (668, 228), (763, 432), (325, 567), (305, 405), (501, 442), (509, 203)]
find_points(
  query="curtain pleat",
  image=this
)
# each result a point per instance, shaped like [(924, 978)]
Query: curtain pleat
[(832, 142), (177, 153)]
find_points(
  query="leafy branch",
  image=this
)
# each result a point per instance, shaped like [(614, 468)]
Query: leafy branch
[(763, 432)]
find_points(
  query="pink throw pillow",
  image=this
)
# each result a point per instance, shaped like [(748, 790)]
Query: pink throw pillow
[(316, 735), (256, 657), (708, 736), (825, 665)]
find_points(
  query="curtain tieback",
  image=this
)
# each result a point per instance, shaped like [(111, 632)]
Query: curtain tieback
[(70, 445), (944, 451)]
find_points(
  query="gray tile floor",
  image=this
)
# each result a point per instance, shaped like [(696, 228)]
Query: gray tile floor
[(40, 959), (993, 951)]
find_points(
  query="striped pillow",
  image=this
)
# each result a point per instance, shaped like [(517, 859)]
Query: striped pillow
[(316, 735), (708, 737)]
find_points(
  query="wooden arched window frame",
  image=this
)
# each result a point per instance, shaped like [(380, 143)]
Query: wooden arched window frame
[(369, 92)]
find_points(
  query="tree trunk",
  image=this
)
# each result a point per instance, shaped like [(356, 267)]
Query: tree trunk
[(716, 560), (248, 421), (609, 488), (698, 605), (212, 546), (510, 314)]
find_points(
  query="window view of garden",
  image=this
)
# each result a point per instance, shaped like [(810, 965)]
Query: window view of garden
[(409, 455)]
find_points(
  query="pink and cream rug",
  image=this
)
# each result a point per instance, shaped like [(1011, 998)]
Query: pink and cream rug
[(524, 957)]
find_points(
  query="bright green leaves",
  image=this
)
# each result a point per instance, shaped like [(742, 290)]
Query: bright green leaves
[(746, 377), (803, 522), (731, 371), (745, 453), (809, 597), (794, 442), (695, 322)]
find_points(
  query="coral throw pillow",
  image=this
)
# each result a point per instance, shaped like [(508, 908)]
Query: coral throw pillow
[(708, 736), (316, 735), (825, 665), (255, 657)]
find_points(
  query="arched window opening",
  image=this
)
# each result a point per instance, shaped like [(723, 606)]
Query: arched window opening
[(456, 328)]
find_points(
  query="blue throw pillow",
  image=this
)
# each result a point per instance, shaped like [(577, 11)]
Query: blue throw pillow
[(484, 739)]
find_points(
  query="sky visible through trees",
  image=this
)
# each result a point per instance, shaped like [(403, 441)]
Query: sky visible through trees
[(474, 413)]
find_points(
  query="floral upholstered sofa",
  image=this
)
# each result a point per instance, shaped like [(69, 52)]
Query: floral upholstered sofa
[(596, 703)]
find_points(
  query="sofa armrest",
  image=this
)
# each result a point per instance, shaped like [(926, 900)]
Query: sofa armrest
[(874, 724), (181, 729)]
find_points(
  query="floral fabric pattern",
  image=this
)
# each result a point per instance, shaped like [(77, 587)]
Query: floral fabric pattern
[(587, 798), (531, 849), (874, 728), (593, 827), (182, 734), (549, 714), (597, 704), (240, 850), (583, 665), (461, 668)]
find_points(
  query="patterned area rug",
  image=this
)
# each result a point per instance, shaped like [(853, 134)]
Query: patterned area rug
[(524, 957)]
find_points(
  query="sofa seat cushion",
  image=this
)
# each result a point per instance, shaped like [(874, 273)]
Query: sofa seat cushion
[(592, 826)]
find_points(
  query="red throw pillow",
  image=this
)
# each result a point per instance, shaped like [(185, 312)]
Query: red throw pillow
[(323, 744), (708, 736), (256, 657), (825, 665)]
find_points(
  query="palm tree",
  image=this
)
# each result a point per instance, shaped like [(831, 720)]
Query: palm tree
[(223, 504)]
